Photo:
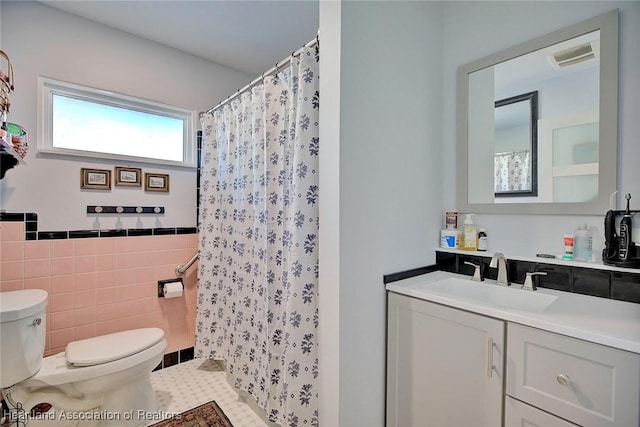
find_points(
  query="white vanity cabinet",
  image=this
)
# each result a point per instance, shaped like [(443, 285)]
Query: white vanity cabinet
[(589, 384), (463, 353), (444, 366)]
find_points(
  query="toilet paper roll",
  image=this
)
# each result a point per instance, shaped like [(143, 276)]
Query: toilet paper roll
[(173, 290)]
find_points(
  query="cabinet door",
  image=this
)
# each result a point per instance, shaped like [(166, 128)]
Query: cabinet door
[(444, 366), (518, 414)]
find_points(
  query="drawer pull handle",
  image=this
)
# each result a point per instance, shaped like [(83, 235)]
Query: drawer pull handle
[(563, 379), (490, 358)]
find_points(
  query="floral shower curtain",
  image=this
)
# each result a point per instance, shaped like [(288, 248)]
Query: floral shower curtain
[(258, 273), (512, 171)]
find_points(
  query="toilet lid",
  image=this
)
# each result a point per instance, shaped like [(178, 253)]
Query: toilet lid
[(107, 348), (15, 305)]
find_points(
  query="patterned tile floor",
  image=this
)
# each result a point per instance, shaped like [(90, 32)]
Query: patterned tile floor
[(190, 384)]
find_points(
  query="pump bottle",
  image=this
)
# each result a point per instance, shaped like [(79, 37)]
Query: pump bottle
[(469, 234)]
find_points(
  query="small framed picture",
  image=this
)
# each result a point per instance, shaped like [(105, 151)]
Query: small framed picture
[(156, 182), (95, 179), (128, 177)]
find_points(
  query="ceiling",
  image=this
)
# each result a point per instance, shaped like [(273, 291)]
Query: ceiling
[(246, 35)]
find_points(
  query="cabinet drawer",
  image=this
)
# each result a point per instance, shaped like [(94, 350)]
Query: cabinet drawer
[(518, 414), (586, 383)]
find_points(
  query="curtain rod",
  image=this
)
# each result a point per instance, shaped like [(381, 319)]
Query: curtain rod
[(512, 152), (262, 76)]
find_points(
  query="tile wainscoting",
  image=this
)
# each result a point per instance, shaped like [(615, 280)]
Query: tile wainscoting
[(101, 282)]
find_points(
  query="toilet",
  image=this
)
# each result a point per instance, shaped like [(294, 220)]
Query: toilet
[(99, 381)]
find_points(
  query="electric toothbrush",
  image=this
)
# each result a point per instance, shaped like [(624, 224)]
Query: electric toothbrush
[(625, 233)]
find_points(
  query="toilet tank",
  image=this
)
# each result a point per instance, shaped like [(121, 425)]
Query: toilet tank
[(22, 334)]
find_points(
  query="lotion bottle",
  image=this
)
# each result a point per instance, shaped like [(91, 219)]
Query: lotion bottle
[(469, 234)]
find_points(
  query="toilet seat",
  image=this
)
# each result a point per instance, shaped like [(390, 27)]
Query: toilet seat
[(107, 348)]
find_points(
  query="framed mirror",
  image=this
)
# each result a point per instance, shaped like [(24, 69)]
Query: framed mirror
[(516, 146), (572, 138)]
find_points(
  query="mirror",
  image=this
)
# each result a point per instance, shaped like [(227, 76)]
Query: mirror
[(515, 147), (537, 124)]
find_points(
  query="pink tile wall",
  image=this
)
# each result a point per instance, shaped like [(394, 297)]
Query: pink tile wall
[(103, 285)]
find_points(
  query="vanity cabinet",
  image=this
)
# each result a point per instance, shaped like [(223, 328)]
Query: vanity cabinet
[(586, 383), (444, 366)]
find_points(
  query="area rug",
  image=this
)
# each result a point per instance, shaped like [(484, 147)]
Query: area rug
[(207, 415)]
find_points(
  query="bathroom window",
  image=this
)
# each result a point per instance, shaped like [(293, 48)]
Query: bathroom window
[(82, 121)]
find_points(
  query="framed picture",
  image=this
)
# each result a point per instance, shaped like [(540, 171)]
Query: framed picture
[(95, 179), (128, 177), (156, 182)]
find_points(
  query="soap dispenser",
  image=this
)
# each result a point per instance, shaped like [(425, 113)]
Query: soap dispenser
[(469, 234)]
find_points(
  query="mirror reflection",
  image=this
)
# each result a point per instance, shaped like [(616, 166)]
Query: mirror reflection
[(516, 146), (533, 126)]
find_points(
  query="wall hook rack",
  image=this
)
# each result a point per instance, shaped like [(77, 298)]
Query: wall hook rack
[(125, 210)]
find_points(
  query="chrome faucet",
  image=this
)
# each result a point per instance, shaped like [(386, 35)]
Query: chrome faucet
[(529, 284), (500, 262), (477, 277)]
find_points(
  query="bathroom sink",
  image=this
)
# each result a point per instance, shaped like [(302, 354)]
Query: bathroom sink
[(490, 295)]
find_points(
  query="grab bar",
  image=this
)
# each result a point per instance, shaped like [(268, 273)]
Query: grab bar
[(182, 268)]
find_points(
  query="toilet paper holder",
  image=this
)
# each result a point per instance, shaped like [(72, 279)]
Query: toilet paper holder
[(163, 283)]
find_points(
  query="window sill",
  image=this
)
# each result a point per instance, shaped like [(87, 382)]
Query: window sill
[(102, 156)]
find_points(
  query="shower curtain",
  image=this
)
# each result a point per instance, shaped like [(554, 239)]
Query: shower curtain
[(512, 171), (258, 277)]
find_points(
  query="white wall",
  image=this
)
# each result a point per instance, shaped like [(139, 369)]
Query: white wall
[(476, 29), (329, 359), (385, 184), (567, 96), (42, 41)]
